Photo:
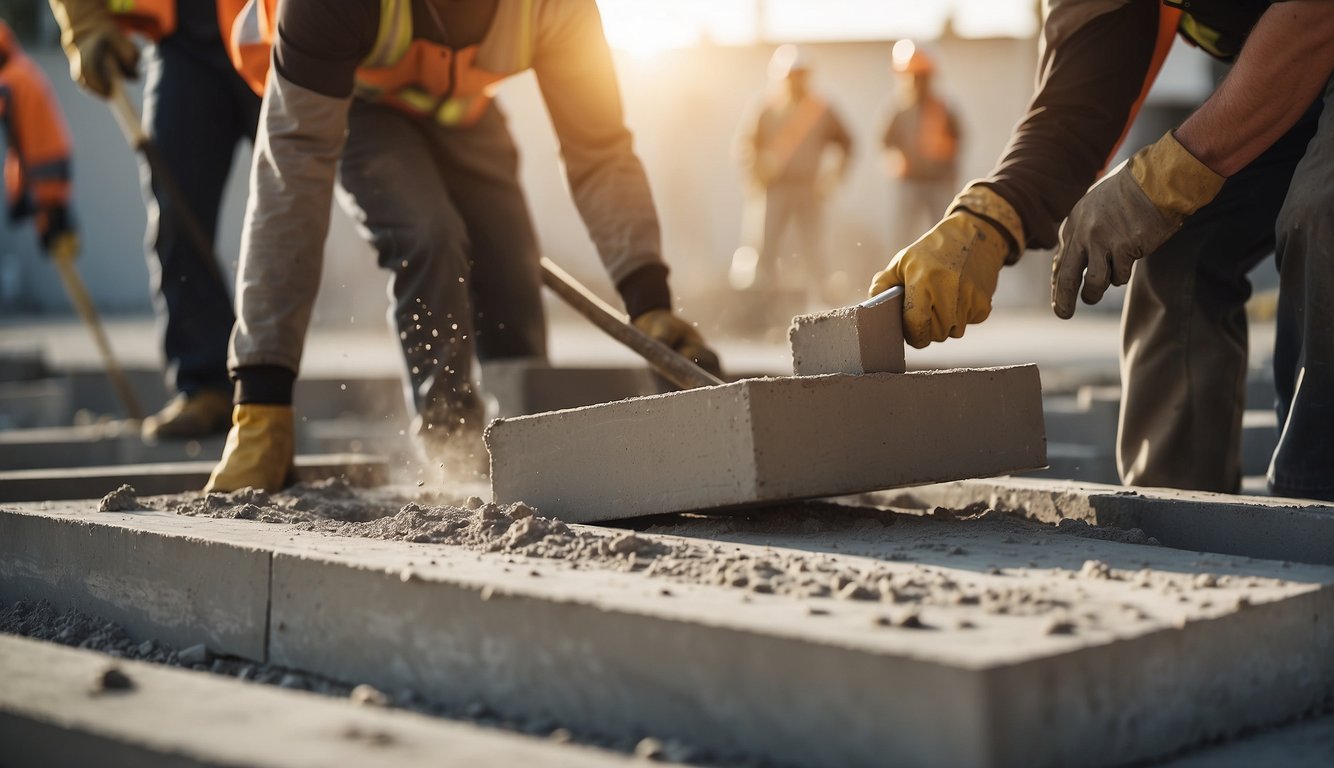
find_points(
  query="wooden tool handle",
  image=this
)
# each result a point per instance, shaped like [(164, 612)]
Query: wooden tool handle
[(83, 304), (674, 367)]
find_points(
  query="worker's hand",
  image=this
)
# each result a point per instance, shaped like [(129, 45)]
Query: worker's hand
[(55, 230), (664, 326), (950, 273), (1126, 217), (97, 49)]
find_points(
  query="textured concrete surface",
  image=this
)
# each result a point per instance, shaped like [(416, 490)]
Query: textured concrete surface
[(173, 477), (856, 339), (523, 387), (1011, 646), (1262, 527), (764, 440), (1305, 744), (171, 588), (52, 713)]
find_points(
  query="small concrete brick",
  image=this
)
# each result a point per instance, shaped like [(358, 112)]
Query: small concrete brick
[(526, 386), (164, 588), (767, 440), (857, 339), (170, 477), (173, 717)]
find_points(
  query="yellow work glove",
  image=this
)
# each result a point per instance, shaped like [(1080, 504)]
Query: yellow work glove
[(681, 336), (94, 44), (950, 273), (259, 451), (1125, 217)]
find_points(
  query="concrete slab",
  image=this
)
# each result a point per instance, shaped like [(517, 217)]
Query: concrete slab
[(175, 589), (95, 445), (49, 716), (173, 477), (36, 403), (1262, 527), (764, 440), (1305, 744), (857, 339), (1171, 649), (523, 386)]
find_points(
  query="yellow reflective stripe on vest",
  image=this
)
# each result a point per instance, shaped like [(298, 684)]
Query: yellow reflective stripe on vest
[(120, 6), (526, 35), (394, 35)]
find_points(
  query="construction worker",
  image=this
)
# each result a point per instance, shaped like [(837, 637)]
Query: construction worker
[(921, 144), (1182, 221), (783, 149), (37, 158), (196, 110), (393, 97)]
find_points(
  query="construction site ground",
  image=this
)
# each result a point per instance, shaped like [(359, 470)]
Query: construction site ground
[(992, 622)]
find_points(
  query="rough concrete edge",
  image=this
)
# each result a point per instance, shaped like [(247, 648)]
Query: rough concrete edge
[(70, 724), (1246, 526)]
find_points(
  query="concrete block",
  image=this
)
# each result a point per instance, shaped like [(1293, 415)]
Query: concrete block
[(1261, 527), (174, 717), (766, 440), (867, 338), (174, 589), (523, 387), (172, 477), (97, 445)]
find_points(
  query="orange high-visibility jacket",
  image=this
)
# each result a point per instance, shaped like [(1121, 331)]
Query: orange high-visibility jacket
[(155, 19), (402, 70), (37, 161)]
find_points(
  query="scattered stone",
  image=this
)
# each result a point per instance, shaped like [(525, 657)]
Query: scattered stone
[(912, 620), (1205, 581), (293, 681), (112, 678), (1060, 627), (1095, 569), (195, 654), (368, 695), (123, 499), (650, 748)]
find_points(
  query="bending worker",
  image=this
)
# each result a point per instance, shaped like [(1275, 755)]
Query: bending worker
[(196, 110), (1250, 172), (427, 167), (37, 157)]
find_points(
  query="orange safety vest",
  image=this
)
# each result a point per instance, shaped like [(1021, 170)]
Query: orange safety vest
[(37, 161), (402, 70)]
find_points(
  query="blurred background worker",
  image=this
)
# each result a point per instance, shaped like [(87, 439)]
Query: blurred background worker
[(394, 98), (196, 110), (921, 145), (37, 160), (1182, 221), (785, 149)]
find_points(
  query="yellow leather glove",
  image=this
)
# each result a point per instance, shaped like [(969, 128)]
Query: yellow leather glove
[(93, 44), (680, 335), (1125, 217), (950, 273), (259, 452)]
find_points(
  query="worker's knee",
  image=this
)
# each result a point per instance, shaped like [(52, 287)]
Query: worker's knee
[(425, 247)]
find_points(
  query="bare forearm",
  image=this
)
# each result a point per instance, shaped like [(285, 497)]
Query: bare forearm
[(1286, 62)]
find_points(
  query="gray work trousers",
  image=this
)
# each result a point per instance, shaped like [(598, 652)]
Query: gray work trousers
[(793, 207), (1184, 332), (444, 211)]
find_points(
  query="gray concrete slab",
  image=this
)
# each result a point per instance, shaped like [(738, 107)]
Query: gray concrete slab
[(1305, 744), (94, 445), (172, 477), (36, 403), (858, 339), (170, 588), (49, 716), (764, 440), (1262, 527), (1171, 649)]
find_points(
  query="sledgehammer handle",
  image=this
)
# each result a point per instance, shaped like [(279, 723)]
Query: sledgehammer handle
[(674, 367)]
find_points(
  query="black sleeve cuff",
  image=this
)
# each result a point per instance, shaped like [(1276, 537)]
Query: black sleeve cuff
[(645, 290), (264, 385)]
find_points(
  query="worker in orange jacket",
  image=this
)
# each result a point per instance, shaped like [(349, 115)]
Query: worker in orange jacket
[(196, 110), (37, 163)]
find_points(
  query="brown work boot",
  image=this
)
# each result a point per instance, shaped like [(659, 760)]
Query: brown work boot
[(260, 450), (205, 413), (450, 437)]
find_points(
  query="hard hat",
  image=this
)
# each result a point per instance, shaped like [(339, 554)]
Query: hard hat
[(910, 59), (787, 59)]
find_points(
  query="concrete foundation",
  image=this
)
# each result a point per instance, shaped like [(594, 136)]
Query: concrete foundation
[(764, 440), (50, 715), (858, 339), (1249, 526), (1171, 650), (172, 477)]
